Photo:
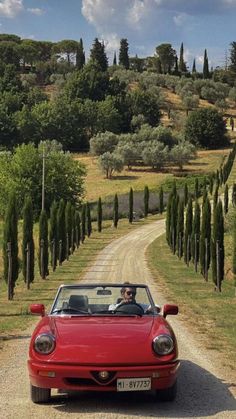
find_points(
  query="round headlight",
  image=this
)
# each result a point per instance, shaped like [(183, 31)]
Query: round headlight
[(44, 344), (163, 345)]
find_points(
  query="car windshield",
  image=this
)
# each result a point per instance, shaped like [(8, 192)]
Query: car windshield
[(124, 299)]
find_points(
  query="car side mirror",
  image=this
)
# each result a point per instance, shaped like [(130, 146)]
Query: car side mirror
[(37, 309), (170, 309)]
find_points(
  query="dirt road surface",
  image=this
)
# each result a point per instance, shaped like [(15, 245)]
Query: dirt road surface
[(205, 388)]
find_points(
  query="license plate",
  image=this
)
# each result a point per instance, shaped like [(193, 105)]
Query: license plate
[(133, 384)]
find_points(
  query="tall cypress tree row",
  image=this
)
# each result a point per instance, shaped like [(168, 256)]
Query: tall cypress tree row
[(196, 235), (28, 243), (68, 224), (218, 247), (61, 232), (180, 228), (131, 205), (77, 229), (185, 194), (99, 215), (211, 184), (73, 242), (89, 222), (146, 201), (43, 244), (188, 231), (161, 200), (53, 235), (196, 188), (205, 238), (215, 197), (10, 246), (83, 223), (115, 211)]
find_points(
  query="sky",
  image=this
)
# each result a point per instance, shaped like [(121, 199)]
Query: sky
[(199, 24)]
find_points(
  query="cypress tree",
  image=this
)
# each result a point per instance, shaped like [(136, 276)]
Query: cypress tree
[(68, 224), (196, 235), (206, 73), (205, 238), (10, 245), (188, 231), (211, 184), (97, 53), (116, 211), (194, 66), (226, 199), (114, 59), (161, 200), (146, 201), (131, 205), (218, 247), (180, 228), (168, 219), (77, 229), (61, 232), (89, 222), (99, 214), (173, 222), (53, 235), (28, 243), (215, 197), (234, 195), (185, 194), (73, 242), (43, 244), (234, 245), (196, 188), (182, 65), (80, 55), (83, 223), (123, 53)]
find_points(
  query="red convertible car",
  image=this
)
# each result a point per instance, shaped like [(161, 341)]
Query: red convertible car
[(103, 337)]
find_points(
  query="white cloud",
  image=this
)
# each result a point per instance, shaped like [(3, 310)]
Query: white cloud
[(10, 8), (35, 11), (180, 19)]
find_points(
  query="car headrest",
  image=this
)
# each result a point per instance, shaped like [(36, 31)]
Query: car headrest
[(78, 301)]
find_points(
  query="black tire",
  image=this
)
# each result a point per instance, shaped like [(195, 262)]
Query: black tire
[(40, 395), (167, 394)]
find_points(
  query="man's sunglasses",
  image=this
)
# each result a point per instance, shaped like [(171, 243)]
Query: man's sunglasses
[(131, 293)]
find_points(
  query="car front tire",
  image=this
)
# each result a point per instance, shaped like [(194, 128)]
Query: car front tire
[(40, 395), (167, 394)]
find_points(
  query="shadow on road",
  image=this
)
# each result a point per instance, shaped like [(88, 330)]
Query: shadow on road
[(200, 394)]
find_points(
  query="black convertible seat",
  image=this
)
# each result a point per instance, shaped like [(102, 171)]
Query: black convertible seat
[(79, 302)]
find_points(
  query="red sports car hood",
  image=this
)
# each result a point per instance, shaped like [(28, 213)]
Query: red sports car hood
[(105, 340)]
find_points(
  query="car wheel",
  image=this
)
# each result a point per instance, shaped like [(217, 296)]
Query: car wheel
[(40, 395), (167, 394)]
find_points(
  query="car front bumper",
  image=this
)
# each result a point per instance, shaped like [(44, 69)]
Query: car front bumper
[(85, 378)]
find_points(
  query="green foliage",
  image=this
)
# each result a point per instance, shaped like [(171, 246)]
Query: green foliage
[(68, 224), (185, 194), (180, 228), (167, 55), (188, 231), (115, 211), (99, 214), (155, 154), (218, 246), (145, 103), (22, 172), (77, 229), (182, 153), (226, 199), (173, 221), (43, 244), (88, 217), (234, 245), (28, 242), (206, 73), (10, 243), (110, 162), (103, 142), (83, 222), (98, 54), (205, 127), (196, 234)]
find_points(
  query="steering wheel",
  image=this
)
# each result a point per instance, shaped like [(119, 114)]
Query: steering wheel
[(130, 308)]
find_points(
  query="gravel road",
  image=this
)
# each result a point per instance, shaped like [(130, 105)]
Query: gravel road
[(205, 388)]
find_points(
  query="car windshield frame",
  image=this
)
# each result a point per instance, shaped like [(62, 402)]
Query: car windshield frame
[(103, 289)]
